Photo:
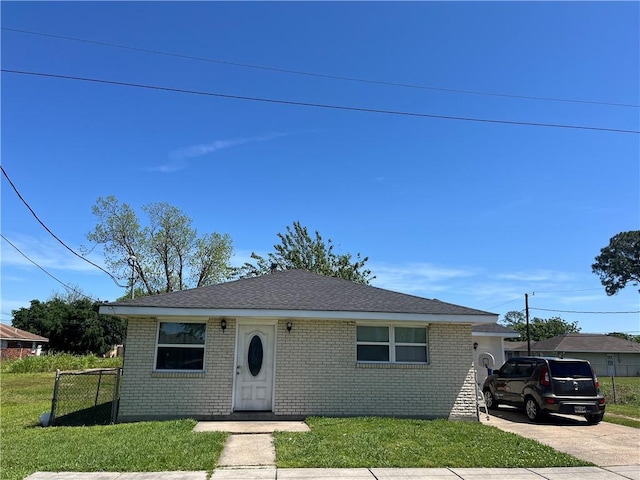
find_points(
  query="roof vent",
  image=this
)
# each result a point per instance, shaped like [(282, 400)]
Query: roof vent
[(274, 267)]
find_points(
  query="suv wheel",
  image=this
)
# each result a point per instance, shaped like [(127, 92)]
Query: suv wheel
[(532, 409), (594, 419), (489, 400)]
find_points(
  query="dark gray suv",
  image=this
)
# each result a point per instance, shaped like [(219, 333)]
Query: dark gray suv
[(546, 385)]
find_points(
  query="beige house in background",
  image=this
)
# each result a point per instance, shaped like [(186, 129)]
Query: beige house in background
[(488, 347), (292, 344), (609, 355)]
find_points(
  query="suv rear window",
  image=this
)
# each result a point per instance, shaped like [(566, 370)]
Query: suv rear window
[(570, 369)]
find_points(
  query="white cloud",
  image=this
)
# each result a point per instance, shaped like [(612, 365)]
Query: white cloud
[(10, 305), (240, 257), (535, 276), (45, 252), (417, 277), (179, 159)]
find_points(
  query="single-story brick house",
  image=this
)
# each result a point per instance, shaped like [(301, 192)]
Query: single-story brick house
[(609, 355), (292, 344), (17, 343)]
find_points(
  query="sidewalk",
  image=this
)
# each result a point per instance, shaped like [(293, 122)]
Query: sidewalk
[(273, 473)]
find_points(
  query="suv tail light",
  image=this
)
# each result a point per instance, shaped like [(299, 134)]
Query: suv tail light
[(595, 378), (544, 377)]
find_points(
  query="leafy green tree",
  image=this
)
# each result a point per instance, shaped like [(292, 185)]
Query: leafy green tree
[(625, 336), (169, 254), (619, 262), (539, 328), (298, 249), (73, 326)]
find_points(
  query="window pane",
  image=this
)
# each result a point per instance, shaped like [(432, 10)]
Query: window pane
[(255, 355), (570, 369), (373, 353), (411, 354), (177, 358), (373, 334), (411, 335), (182, 333)]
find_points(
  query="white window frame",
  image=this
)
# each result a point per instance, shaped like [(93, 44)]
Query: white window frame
[(391, 344), (180, 345)]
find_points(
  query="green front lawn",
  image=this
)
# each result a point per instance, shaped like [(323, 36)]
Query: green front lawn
[(134, 447), (171, 445), (390, 442), (626, 410)]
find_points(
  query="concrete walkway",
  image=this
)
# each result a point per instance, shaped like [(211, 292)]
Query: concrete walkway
[(606, 444), (272, 473), (250, 443)]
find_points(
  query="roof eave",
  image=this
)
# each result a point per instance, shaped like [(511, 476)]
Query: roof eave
[(160, 312), (495, 334), (22, 339)]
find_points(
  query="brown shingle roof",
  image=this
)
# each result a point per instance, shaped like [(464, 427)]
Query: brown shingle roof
[(494, 328), (516, 346), (586, 342), (299, 290), (7, 332)]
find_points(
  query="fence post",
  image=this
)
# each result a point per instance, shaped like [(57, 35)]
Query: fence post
[(95, 404), (54, 400), (116, 396), (613, 386)]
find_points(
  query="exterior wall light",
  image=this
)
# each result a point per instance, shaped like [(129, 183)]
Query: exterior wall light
[(223, 324), (289, 326), (475, 345)]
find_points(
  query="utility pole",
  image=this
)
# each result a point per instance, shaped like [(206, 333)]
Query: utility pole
[(132, 262), (526, 309)]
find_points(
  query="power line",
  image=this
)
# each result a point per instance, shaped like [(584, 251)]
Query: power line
[(318, 105), (510, 301), (320, 75), (41, 268), (53, 234), (576, 311)]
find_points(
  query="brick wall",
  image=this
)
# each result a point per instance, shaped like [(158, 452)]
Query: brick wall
[(316, 374), (322, 354), (146, 394), (15, 353)]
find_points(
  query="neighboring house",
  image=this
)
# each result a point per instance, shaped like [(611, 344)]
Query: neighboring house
[(515, 349), (292, 344), (609, 355), (16, 343), (489, 346)]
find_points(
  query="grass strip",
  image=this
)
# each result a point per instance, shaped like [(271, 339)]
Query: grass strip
[(390, 442)]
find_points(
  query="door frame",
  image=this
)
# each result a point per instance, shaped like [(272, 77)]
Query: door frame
[(262, 322)]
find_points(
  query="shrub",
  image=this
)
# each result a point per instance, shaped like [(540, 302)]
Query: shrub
[(58, 361), (627, 390)]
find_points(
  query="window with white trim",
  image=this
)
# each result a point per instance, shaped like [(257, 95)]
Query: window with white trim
[(391, 344), (180, 346)]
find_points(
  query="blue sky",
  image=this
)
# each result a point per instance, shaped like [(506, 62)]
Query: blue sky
[(471, 213)]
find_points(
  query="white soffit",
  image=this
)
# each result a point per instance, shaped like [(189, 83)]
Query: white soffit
[(127, 311)]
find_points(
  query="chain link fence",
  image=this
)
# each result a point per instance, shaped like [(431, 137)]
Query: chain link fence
[(86, 397)]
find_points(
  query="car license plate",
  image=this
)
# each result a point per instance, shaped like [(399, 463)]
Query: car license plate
[(580, 409)]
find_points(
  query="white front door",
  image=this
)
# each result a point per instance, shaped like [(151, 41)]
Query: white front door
[(254, 367), (611, 365)]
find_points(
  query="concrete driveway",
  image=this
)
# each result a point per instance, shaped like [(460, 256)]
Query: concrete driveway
[(605, 444)]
